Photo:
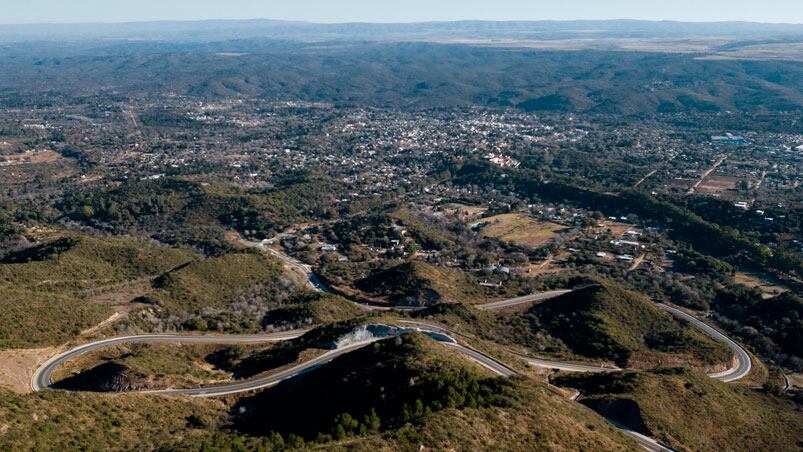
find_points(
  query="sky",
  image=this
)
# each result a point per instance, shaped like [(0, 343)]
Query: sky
[(76, 11)]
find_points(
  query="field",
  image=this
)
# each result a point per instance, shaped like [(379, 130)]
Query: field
[(718, 184), (29, 157), (521, 229), (768, 288)]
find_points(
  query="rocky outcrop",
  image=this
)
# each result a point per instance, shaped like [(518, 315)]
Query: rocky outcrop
[(107, 377)]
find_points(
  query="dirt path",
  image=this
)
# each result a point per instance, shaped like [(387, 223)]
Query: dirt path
[(641, 181), (637, 263), (113, 318), (706, 174)]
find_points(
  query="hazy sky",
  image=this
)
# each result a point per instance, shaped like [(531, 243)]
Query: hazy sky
[(47, 11)]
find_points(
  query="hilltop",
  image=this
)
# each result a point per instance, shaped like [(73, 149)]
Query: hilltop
[(408, 391), (606, 321), (415, 283)]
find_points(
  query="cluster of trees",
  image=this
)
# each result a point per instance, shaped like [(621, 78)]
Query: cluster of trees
[(379, 388), (772, 327), (183, 212)]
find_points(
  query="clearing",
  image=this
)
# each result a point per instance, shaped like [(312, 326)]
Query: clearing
[(765, 284), (521, 229)]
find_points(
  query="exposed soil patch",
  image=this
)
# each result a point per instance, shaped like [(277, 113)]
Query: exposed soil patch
[(17, 367)]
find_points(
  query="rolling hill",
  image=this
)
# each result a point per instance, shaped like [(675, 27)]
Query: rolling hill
[(608, 322)]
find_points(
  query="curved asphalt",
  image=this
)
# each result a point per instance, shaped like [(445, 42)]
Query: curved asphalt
[(42, 378), (739, 370), (743, 361)]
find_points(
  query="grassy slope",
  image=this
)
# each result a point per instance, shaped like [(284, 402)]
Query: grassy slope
[(75, 263), (41, 300), (313, 309), (607, 321), (462, 405), (690, 411), (31, 319), (63, 421), (169, 365), (213, 282), (43, 289)]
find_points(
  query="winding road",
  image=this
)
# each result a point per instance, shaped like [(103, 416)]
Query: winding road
[(42, 378), (743, 362)]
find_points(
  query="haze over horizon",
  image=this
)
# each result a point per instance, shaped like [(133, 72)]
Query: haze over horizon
[(105, 11)]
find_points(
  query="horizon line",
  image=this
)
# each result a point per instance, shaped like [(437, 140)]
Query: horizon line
[(412, 22)]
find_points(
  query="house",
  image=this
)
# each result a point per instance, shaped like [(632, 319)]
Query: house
[(329, 248)]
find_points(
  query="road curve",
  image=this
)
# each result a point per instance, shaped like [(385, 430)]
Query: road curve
[(43, 376), (566, 366), (743, 362), (740, 370)]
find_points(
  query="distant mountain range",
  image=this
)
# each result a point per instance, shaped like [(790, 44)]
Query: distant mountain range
[(204, 31)]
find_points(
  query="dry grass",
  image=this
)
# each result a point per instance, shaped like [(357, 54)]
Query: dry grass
[(171, 365), (718, 184), (17, 367), (522, 229), (768, 287), (29, 157)]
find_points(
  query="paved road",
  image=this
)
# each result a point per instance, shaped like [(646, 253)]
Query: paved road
[(566, 366), (265, 382), (43, 376), (314, 282), (743, 361), (522, 300), (644, 441)]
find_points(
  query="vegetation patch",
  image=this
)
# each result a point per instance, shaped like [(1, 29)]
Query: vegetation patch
[(36, 319), (606, 321), (408, 391), (416, 283)]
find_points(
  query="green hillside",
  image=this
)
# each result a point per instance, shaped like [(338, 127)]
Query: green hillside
[(606, 321), (213, 282), (47, 291), (78, 262), (64, 421), (690, 411), (406, 392), (43, 288), (34, 319)]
